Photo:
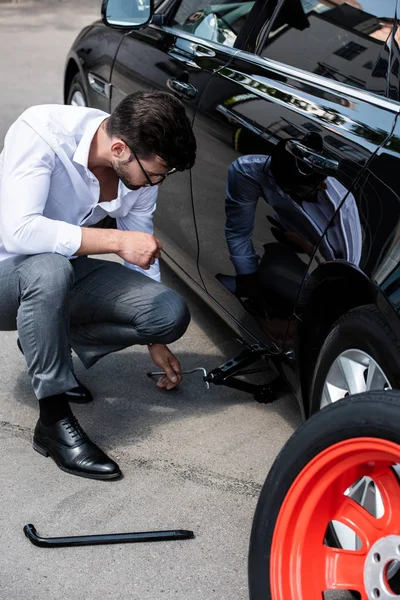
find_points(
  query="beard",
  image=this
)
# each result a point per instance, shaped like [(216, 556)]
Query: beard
[(121, 170)]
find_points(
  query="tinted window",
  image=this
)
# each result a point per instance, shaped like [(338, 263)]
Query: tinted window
[(218, 22), (344, 40)]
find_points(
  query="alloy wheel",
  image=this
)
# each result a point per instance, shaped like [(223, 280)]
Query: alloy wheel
[(302, 565), (353, 372), (77, 99)]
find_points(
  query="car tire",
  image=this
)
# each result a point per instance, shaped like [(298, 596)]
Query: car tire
[(360, 336), (76, 93), (288, 555)]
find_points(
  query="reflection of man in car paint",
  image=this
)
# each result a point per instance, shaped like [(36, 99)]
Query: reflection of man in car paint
[(304, 205)]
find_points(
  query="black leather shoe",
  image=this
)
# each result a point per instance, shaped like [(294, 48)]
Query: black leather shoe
[(78, 394), (72, 450)]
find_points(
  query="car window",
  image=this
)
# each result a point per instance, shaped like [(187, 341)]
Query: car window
[(344, 40), (217, 22)]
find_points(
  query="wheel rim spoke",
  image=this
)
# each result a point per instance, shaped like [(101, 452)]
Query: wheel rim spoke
[(343, 569), (353, 373), (78, 99), (376, 380), (332, 393), (367, 527), (389, 488)]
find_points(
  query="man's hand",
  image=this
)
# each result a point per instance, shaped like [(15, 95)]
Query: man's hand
[(139, 248), (135, 247), (163, 358)]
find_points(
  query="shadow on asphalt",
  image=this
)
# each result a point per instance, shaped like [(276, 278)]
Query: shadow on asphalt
[(128, 406)]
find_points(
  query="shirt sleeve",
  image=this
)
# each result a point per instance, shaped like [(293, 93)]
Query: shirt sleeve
[(28, 163), (140, 218)]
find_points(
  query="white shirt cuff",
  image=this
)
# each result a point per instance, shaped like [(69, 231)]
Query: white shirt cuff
[(153, 272), (69, 239)]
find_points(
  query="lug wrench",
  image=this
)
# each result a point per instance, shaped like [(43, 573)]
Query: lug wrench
[(107, 538), (154, 373)]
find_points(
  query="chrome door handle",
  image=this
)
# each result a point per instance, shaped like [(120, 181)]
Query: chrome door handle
[(99, 85), (315, 160), (184, 60), (183, 88), (202, 51)]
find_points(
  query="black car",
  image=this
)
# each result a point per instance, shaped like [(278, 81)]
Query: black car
[(288, 225)]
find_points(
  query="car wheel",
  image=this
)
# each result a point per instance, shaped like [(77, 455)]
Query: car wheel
[(308, 488), (360, 354), (76, 93)]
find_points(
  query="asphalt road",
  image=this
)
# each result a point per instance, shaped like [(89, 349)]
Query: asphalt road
[(191, 459)]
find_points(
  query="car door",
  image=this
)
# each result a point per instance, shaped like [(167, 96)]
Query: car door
[(179, 56), (284, 132)]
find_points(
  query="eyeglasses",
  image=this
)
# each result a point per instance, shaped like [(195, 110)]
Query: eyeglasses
[(152, 179)]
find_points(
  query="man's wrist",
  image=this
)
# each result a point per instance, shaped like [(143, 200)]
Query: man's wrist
[(100, 241), (117, 240)]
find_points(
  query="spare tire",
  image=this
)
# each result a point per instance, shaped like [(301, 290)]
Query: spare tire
[(307, 488)]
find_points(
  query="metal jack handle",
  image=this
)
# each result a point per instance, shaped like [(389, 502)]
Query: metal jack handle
[(227, 374), (154, 373), (107, 538)]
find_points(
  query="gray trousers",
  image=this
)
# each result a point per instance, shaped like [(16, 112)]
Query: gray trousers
[(94, 306)]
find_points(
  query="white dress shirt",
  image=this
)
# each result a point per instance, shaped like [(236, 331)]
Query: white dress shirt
[(47, 192)]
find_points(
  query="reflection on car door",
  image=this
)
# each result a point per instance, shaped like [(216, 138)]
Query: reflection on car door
[(179, 58), (281, 145)]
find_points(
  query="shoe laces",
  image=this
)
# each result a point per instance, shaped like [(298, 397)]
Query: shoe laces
[(74, 429)]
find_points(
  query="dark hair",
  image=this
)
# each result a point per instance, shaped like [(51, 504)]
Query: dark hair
[(155, 123)]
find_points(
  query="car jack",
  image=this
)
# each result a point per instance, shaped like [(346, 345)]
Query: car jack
[(227, 374)]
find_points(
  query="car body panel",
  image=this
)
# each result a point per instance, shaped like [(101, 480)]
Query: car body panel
[(247, 109), (340, 249), (93, 52), (155, 57)]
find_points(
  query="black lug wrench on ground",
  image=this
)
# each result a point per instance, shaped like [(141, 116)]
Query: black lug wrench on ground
[(107, 538)]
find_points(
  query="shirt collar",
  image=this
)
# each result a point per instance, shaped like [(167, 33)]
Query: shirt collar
[(82, 151)]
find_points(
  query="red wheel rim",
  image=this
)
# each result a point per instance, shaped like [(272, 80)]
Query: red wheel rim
[(301, 566)]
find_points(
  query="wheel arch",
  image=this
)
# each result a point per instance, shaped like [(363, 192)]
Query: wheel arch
[(71, 69), (330, 292)]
